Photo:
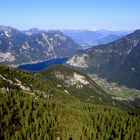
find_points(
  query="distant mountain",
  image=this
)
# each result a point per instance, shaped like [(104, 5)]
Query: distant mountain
[(88, 39), (109, 32), (34, 45), (32, 31), (117, 61), (108, 38)]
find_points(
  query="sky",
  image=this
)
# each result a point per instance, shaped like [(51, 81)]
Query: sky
[(71, 14)]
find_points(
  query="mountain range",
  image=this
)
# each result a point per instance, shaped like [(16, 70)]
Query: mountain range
[(34, 45), (17, 47), (90, 38), (117, 61)]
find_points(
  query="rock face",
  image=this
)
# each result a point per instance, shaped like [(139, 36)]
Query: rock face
[(118, 61), (25, 47)]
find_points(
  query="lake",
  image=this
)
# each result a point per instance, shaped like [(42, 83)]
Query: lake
[(43, 65)]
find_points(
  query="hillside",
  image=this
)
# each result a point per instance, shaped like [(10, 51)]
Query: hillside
[(45, 106), (57, 81), (28, 82), (17, 47), (117, 61), (77, 84)]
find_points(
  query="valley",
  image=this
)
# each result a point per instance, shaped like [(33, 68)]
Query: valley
[(118, 92), (113, 87)]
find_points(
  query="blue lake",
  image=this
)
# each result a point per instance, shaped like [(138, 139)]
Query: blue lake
[(43, 65)]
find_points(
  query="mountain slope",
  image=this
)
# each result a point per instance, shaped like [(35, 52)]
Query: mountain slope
[(77, 84), (16, 47), (48, 105), (117, 61), (29, 82), (24, 117), (57, 81)]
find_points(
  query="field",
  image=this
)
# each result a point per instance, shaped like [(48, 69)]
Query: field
[(122, 92)]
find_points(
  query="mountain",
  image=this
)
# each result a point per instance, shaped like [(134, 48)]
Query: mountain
[(56, 81), (32, 31), (31, 83), (77, 84), (109, 38), (108, 32), (116, 61), (16, 47), (88, 39)]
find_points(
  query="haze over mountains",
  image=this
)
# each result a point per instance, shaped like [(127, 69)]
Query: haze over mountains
[(89, 38), (86, 38)]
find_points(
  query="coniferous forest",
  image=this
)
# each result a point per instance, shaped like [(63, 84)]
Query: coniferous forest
[(48, 112), (25, 117)]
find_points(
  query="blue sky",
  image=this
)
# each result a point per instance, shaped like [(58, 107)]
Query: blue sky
[(71, 14)]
